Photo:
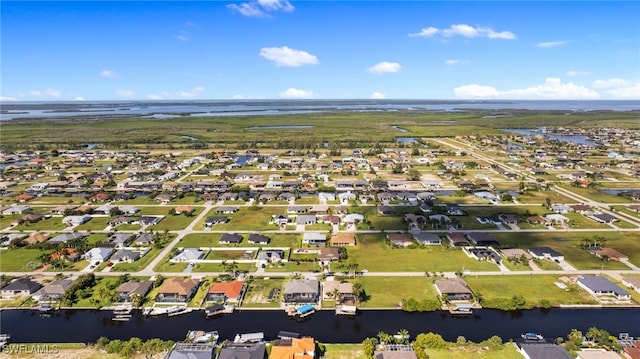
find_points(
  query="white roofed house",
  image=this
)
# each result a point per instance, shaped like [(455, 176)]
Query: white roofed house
[(76, 220), (188, 255), (314, 238), (119, 239), (306, 219), (99, 254)]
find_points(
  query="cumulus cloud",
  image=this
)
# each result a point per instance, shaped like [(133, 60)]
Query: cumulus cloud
[(261, 8), (126, 93), (8, 98), (196, 92), (464, 30), (551, 89), (577, 73), (453, 62), (245, 97), (619, 89), (548, 44), (297, 93), (384, 67), (288, 57), (47, 93), (109, 74), (377, 95), (79, 98)]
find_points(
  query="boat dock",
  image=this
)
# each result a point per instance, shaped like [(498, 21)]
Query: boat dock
[(218, 309), (346, 310), (4, 339), (301, 311), (462, 309), (122, 313)]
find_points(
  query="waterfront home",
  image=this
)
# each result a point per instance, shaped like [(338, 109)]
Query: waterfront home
[(314, 238), (226, 291), (453, 288), (632, 283), (546, 253), (131, 287), (593, 353), (302, 291), (230, 238), (188, 255), (293, 348), (183, 350), (542, 350), (338, 291), (53, 291), (98, 254), (400, 239), (19, 287), (65, 237), (177, 290), (602, 287), (242, 351)]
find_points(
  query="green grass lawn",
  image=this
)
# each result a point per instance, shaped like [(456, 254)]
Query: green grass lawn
[(229, 255), (568, 243), (18, 260), (624, 224), (57, 200), (198, 298), (292, 266), (99, 293), (258, 291), (540, 197), (52, 224), (344, 351), (95, 224), (372, 253), (596, 194), (533, 288), (177, 222), (212, 240), (388, 292), (508, 352), (247, 218), (217, 267), (69, 266)]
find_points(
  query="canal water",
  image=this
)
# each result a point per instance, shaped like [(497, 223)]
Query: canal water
[(89, 325)]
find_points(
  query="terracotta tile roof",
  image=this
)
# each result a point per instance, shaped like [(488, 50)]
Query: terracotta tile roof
[(299, 348), (230, 289), (179, 286)]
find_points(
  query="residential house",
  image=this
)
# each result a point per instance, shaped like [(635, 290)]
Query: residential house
[(560, 208), (453, 209), (227, 210), (65, 237), (546, 253), (19, 287), (149, 220), (226, 291), (302, 291), (610, 254), (188, 255), (426, 238), (119, 239), (453, 289), (599, 286), (400, 239), (542, 350), (632, 283), (131, 287), (183, 350), (306, 219), (344, 291), (125, 255), (556, 218), (36, 237), (98, 254), (602, 218), (177, 290), (257, 238), (144, 240), (329, 254), (343, 239), (295, 348), (482, 239), (213, 220), (457, 239), (242, 351), (230, 238), (386, 210), (314, 238), (509, 219), (53, 291), (76, 220), (270, 255), (16, 209)]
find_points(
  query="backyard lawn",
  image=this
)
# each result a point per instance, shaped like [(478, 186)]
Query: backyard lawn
[(533, 288), (388, 292)]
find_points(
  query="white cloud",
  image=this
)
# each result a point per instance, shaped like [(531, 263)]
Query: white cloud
[(196, 92), (548, 44), (47, 93), (126, 93), (453, 62), (181, 37), (285, 56), (425, 32), (384, 67), (297, 93), (244, 97), (551, 89), (465, 30), (79, 98), (611, 83), (577, 73), (8, 98), (261, 8), (109, 74), (377, 95)]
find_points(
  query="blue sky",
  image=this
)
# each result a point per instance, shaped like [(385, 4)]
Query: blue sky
[(274, 49)]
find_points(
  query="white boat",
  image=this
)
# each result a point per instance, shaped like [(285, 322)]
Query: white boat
[(177, 311), (123, 309), (532, 336), (200, 336), (348, 310)]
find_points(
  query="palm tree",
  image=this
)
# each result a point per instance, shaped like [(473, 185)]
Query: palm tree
[(402, 336)]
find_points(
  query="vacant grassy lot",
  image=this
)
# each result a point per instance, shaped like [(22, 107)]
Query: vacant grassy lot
[(258, 292), (540, 197), (596, 194), (568, 243), (388, 292), (247, 218), (95, 224), (373, 254), (344, 351), (217, 267), (533, 288), (53, 223), (19, 260), (227, 255), (509, 351)]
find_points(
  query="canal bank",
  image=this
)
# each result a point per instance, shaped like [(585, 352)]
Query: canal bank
[(88, 325)]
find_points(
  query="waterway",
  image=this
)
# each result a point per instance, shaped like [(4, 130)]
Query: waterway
[(89, 325), (578, 139)]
